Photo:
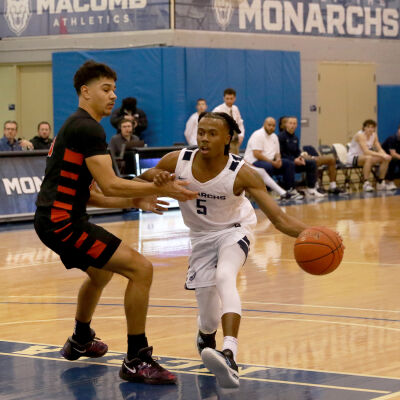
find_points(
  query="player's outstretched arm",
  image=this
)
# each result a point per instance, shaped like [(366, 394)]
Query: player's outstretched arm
[(149, 203), (249, 180), (166, 164), (100, 167)]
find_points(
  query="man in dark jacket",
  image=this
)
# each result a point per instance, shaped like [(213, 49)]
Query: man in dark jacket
[(392, 146), (290, 150), (43, 140), (128, 110)]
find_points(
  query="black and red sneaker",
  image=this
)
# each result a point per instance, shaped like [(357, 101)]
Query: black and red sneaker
[(95, 348), (145, 369)]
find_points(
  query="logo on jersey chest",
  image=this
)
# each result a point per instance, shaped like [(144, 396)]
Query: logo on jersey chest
[(211, 196)]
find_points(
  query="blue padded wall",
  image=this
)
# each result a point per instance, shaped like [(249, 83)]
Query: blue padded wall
[(167, 81), (388, 110)]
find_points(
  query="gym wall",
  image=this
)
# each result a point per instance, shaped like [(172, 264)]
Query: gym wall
[(168, 81)]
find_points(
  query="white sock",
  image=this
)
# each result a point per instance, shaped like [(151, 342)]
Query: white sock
[(332, 185), (230, 343)]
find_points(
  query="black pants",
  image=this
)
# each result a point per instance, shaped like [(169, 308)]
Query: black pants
[(393, 171)]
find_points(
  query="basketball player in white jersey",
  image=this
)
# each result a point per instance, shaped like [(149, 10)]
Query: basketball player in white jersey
[(366, 151), (220, 222)]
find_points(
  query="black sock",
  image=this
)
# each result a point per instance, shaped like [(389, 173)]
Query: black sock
[(379, 180), (135, 343), (82, 333)]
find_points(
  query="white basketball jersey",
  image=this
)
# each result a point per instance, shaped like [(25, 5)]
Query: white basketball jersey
[(355, 149), (216, 207)]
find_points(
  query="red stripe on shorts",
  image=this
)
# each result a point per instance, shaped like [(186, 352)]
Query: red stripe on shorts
[(66, 238), (67, 190), (60, 204), (61, 229), (58, 215), (69, 175), (73, 157), (81, 240), (96, 249)]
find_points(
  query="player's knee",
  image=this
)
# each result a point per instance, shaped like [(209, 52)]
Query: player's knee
[(143, 272)]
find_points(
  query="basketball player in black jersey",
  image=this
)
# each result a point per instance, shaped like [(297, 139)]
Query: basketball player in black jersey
[(76, 159)]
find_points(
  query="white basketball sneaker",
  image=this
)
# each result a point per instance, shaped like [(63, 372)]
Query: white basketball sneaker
[(223, 366), (391, 186)]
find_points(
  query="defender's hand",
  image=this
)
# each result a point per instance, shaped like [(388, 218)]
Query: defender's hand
[(151, 203)]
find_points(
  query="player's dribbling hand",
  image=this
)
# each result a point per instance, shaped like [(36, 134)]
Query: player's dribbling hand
[(151, 203), (162, 178), (176, 190)]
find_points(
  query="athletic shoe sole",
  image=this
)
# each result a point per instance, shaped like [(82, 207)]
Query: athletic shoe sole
[(227, 377)]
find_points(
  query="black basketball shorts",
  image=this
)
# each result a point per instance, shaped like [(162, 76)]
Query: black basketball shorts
[(79, 243)]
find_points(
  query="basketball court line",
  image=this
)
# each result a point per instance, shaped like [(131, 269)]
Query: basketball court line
[(110, 352), (180, 365), (272, 259), (194, 301), (195, 308), (389, 396)]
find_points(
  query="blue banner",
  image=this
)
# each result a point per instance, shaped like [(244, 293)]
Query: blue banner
[(20, 180), (343, 18), (63, 17)]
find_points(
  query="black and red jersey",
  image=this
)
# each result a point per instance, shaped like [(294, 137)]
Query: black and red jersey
[(65, 188)]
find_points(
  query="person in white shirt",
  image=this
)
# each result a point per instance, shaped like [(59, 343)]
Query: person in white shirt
[(231, 109), (365, 151), (263, 153), (193, 121)]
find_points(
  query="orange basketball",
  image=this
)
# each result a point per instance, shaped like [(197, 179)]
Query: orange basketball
[(318, 250)]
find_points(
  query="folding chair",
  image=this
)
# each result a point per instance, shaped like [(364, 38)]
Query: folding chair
[(341, 156)]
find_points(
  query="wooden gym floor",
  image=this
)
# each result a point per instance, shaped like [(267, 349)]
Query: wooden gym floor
[(302, 336)]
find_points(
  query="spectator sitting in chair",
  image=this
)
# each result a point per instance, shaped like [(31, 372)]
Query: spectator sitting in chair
[(263, 153), (392, 146), (365, 151), (128, 110), (122, 141), (290, 150), (9, 141), (125, 135), (43, 140)]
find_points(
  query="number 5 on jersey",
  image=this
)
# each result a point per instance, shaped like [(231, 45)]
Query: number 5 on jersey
[(201, 208)]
